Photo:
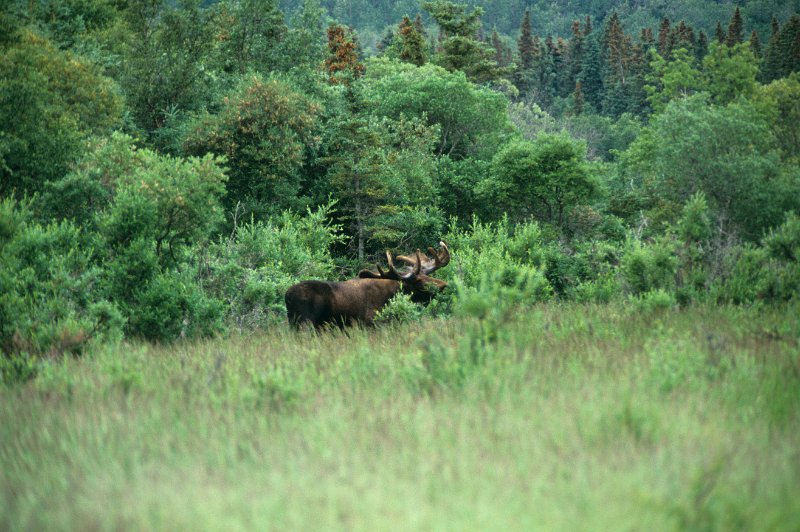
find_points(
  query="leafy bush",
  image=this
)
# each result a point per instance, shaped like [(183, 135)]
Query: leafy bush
[(770, 273), (51, 297), (399, 309), (251, 270), (647, 267)]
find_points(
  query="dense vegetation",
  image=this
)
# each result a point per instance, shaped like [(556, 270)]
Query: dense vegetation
[(168, 170), (568, 417), (619, 186)]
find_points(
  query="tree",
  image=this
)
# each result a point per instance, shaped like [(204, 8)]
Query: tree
[(412, 43), (380, 172), (735, 29), (263, 129), (545, 178), (250, 33), (670, 80), (342, 62), (65, 100), (528, 53), (163, 70), (461, 49), (779, 101), (726, 152), (471, 120), (730, 72)]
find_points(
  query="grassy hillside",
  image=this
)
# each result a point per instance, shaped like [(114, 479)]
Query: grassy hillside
[(564, 417)]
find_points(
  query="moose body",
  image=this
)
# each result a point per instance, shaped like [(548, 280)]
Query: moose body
[(359, 300)]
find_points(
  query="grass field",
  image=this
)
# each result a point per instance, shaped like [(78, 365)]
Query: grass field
[(561, 418)]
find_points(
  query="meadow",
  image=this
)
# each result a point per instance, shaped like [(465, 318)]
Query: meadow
[(556, 417)]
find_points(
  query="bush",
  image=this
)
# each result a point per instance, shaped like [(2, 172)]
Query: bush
[(51, 297), (251, 270), (399, 309), (648, 267)]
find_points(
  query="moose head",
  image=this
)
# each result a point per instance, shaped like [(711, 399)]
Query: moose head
[(359, 300)]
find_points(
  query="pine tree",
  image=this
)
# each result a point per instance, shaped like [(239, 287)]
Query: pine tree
[(719, 34), (497, 44), (523, 77), (461, 47), (577, 99), (587, 26), (617, 45), (525, 47), (591, 77), (412, 47), (576, 51), (342, 62), (664, 31), (755, 44), (702, 46), (646, 38), (735, 29)]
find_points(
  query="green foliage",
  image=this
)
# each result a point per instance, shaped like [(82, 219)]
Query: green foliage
[(546, 178), (727, 152), (399, 309), (730, 72), (670, 79), (649, 267), (164, 54), (779, 102), (65, 99), (263, 129), (471, 120), (52, 302), (251, 270)]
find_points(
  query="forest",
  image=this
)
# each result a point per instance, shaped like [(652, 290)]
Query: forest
[(618, 184), (169, 170)]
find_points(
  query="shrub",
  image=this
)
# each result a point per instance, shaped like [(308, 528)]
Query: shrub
[(399, 309), (648, 267), (251, 270)]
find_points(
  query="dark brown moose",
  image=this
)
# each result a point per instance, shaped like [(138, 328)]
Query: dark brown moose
[(359, 300)]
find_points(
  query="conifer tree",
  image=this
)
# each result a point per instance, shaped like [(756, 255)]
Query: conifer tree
[(592, 73), (664, 31), (719, 34), (461, 46), (412, 43), (702, 46), (523, 77), (498, 47), (576, 51), (342, 63), (735, 29), (755, 44), (577, 99)]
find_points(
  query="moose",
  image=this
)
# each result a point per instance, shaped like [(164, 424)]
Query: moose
[(357, 301)]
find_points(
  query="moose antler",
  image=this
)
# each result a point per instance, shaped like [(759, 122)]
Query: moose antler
[(419, 264), (429, 265)]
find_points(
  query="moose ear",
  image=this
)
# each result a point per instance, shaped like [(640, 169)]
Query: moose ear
[(366, 274)]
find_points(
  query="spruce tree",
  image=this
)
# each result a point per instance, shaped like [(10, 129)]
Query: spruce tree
[(577, 99), (755, 44), (702, 46), (412, 43), (664, 31), (591, 77), (735, 29), (719, 34), (523, 77)]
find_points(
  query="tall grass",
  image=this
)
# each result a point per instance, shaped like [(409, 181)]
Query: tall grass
[(560, 418)]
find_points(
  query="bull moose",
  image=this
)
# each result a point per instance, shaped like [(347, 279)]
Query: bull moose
[(359, 300)]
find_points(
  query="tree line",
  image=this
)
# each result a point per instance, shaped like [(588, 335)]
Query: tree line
[(168, 169)]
